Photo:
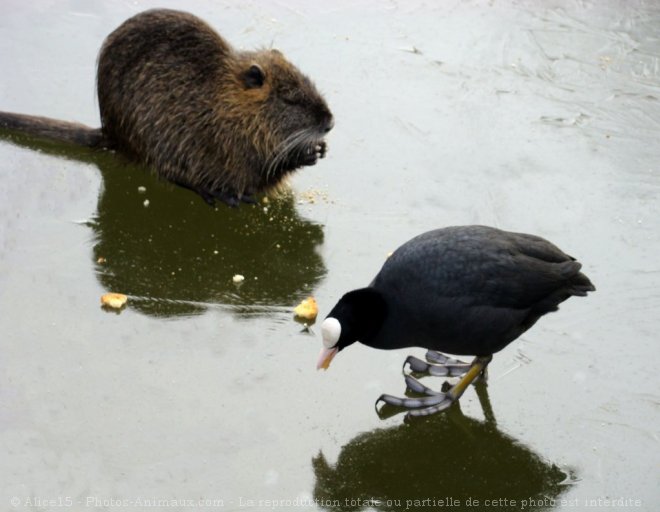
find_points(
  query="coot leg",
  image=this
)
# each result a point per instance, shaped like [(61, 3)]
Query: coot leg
[(435, 401), (415, 403), (477, 368), (449, 368), (483, 376), (414, 385), (438, 358), (427, 411)]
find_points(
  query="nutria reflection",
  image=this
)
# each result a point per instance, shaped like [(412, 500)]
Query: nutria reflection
[(176, 256)]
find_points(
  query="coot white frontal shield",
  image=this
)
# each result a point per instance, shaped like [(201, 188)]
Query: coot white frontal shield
[(330, 331)]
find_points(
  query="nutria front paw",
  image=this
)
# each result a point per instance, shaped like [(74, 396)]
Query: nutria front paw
[(312, 154), (233, 199), (322, 149), (248, 198), (229, 198)]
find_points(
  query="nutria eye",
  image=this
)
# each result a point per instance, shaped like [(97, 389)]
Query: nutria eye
[(254, 77)]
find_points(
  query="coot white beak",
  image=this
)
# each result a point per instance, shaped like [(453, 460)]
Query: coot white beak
[(325, 357)]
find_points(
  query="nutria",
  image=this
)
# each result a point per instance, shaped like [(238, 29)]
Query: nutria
[(175, 95)]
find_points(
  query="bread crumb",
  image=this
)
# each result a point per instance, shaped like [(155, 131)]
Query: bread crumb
[(307, 309), (114, 300)]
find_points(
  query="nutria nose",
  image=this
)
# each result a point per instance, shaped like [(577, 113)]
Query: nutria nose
[(328, 123)]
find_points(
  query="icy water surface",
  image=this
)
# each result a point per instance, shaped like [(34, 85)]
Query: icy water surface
[(542, 117)]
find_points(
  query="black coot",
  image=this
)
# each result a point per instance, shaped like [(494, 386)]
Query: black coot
[(467, 290)]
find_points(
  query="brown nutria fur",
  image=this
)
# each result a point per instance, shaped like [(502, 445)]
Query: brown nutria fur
[(175, 95)]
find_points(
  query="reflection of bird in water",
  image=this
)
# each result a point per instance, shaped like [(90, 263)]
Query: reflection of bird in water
[(176, 256), (449, 457), (467, 290)]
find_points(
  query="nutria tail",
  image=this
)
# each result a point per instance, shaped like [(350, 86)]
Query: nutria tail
[(52, 129)]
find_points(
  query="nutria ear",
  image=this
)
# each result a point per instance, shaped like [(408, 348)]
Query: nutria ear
[(254, 77)]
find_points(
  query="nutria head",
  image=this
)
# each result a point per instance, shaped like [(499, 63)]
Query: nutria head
[(279, 112)]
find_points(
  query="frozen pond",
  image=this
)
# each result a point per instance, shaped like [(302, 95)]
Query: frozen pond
[(534, 116)]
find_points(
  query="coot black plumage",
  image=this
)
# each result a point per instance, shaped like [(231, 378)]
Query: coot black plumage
[(466, 290)]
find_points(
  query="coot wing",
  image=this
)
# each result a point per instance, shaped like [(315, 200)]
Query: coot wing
[(481, 267)]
